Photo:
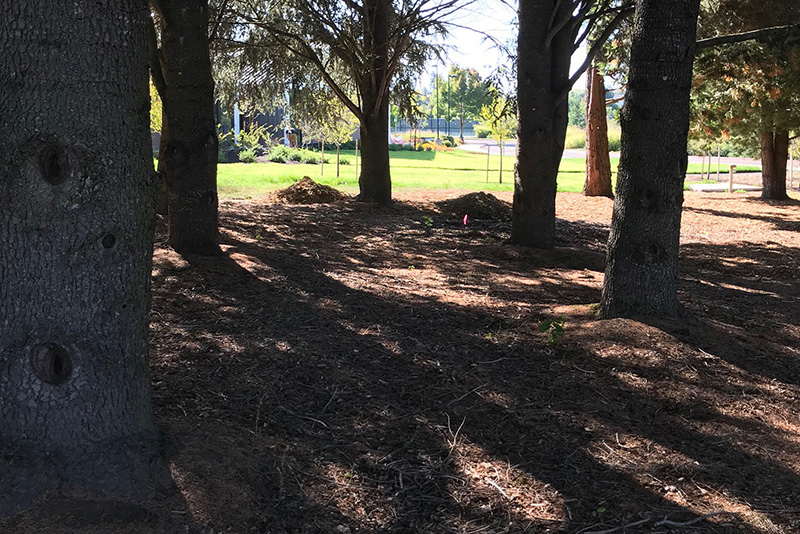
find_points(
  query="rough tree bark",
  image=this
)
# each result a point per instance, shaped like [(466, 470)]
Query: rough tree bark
[(774, 155), (598, 163), (187, 159), (543, 116), (77, 202), (642, 265), (375, 184)]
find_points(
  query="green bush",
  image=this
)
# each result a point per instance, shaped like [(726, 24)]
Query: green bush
[(482, 132), (279, 154), (247, 156), (295, 155), (614, 140), (420, 148), (447, 143), (408, 146)]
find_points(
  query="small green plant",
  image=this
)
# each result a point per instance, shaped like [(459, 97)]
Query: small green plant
[(427, 223), (554, 329), (247, 156), (597, 514)]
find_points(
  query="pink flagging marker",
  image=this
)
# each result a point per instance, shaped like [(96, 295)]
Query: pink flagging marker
[(466, 217)]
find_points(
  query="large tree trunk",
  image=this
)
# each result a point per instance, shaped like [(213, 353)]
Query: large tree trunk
[(77, 203), (188, 154), (774, 155), (542, 87), (642, 267), (375, 182), (598, 164)]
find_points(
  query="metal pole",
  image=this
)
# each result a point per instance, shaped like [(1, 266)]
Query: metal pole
[(437, 101), (488, 152)]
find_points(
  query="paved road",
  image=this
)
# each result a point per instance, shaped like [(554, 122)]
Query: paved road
[(479, 146)]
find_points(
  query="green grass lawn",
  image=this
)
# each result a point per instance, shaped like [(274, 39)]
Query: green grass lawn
[(417, 170)]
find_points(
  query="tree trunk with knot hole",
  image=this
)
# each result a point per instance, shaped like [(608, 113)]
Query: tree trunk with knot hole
[(188, 152), (77, 204), (642, 265)]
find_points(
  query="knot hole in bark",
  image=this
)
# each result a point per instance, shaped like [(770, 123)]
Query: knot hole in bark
[(53, 164), (109, 240), (650, 201), (51, 363)]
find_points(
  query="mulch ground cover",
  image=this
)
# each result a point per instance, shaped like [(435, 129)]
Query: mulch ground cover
[(345, 368)]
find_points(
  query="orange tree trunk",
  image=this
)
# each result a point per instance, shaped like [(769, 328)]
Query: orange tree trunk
[(598, 164)]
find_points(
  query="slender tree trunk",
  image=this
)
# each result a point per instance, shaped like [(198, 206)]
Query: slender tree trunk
[(188, 152), (375, 182), (77, 206), (542, 86), (774, 155), (598, 163), (642, 266)]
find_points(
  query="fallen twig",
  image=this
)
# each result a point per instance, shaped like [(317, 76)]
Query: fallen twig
[(679, 524), (662, 523)]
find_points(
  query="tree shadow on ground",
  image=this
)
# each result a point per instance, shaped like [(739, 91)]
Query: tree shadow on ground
[(349, 369)]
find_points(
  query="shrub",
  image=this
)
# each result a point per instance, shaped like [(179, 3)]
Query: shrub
[(279, 154), (295, 155), (482, 132), (576, 137), (614, 140), (420, 148), (408, 146), (447, 143), (247, 156), (309, 157)]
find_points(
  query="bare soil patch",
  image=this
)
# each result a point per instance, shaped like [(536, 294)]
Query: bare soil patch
[(350, 368)]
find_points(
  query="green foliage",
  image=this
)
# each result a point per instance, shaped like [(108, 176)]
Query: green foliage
[(462, 87), (500, 117), (743, 89), (247, 156), (253, 138), (482, 131), (155, 109), (577, 108), (554, 329), (283, 154), (427, 223), (576, 137)]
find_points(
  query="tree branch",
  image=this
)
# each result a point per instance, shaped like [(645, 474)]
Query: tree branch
[(598, 45), (746, 36)]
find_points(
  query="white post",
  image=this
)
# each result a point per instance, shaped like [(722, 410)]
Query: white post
[(730, 179), (703, 167), (719, 156), (791, 167), (236, 119)]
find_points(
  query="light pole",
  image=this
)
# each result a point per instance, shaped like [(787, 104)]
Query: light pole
[(436, 88), (449, 117)]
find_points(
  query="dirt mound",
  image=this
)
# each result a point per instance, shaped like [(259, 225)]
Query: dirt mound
[(477, 205), (307, 191)]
